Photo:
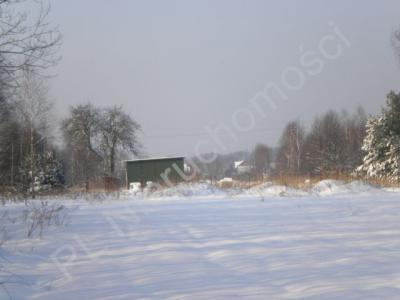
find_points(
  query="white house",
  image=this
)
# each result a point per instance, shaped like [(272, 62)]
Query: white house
[(242, 167)]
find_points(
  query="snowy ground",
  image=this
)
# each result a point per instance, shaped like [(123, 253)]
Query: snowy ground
[(331, 242)]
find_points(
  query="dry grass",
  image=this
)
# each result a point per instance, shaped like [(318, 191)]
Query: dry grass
[(301, 182), (382, 182)]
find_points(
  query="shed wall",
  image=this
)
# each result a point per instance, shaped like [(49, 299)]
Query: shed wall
[(152, 170)]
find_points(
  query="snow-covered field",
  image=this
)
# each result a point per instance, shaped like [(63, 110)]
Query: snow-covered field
[(334, 241)]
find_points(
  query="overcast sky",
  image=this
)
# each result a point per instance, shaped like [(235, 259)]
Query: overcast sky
[(183, 68)]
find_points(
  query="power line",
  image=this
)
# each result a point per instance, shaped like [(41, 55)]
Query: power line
[(198, 134)]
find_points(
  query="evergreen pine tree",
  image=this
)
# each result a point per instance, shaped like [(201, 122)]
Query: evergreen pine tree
[(382, 142)]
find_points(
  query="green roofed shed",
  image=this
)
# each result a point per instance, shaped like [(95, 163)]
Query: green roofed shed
[(154, 169)]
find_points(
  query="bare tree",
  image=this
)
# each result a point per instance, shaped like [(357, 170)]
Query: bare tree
[(396, 43), (26, 41), (355, 132), (7, 120), (291, 148), (261, 156), (80, 131), (214, 169), (325, 145), (118, 131)]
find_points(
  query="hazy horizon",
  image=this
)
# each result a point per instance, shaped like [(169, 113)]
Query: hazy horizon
[(181, 67)]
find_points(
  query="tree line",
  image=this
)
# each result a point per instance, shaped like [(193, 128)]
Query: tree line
[(333, 145)]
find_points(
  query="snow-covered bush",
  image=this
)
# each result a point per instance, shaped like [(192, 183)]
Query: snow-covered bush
[(51, 173), (45, 170)]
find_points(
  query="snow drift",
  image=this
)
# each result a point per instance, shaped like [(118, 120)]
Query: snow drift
[(335, 187), (323, 188), (199, 189)]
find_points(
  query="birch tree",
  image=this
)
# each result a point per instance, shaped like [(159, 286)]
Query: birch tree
[(291, 148), (33, 109)]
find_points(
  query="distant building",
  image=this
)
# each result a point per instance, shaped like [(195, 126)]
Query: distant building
[(243, 167), (237, 163), (157, 170)]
